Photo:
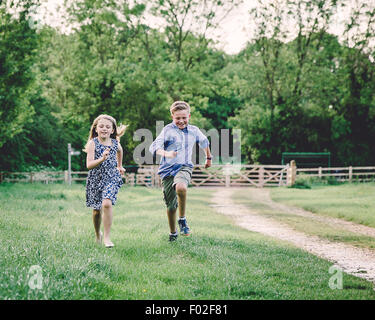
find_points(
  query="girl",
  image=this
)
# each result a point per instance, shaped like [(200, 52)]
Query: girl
[(104, 161)]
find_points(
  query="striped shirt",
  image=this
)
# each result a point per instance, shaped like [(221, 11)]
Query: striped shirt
[(171, 138)]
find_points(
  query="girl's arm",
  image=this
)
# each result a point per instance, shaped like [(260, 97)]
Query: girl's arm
[(91, 163), (120, 153)]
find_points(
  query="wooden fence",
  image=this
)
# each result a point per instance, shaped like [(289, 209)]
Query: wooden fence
[(216, 176), (341, 174)]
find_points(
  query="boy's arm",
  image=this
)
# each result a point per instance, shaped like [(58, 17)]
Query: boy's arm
[(158, 146), (205, 145), (208, 163), (167, 154)]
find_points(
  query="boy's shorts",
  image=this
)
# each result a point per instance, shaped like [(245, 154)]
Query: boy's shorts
[(169, 183)]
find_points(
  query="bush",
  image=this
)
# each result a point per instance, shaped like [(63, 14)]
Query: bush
[(332, 181), (303, 181)]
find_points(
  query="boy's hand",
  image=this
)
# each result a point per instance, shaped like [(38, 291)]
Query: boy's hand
[(208, 163), (170, 154)]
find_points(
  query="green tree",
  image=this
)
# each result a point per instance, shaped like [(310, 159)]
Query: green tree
[(18, 47), (88, 72), (301, 86), (183, 18), (355, 110), (188, 62), (42, 143)]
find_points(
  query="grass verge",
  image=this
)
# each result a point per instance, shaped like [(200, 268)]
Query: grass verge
[(353, 202)]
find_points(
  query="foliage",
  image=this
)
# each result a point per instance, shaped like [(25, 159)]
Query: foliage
[(304, 181), (18, 49), (42, 142), (295, 87), (305, 91)]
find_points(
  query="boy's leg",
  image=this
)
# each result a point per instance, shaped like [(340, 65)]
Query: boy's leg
[(181, 182), (171, 213), (170, 199), (107, 221), (181, 190), (97, 219)]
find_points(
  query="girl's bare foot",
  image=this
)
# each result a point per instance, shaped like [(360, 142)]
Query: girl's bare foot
[(108, 243), (100, 239)]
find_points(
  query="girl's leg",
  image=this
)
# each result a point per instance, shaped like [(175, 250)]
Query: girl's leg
[(107, 221), (97, 219)]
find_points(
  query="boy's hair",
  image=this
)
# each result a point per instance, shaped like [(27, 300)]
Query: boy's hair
[(117, 132), (179, 105)]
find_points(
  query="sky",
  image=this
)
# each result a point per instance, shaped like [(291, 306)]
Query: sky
[(234, 31), (231, 36)]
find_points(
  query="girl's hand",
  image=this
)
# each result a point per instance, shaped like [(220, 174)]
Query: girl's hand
[(106, 153), (122, 171)]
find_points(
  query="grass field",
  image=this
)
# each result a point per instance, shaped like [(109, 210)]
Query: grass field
[(49, 226), (353, 202)]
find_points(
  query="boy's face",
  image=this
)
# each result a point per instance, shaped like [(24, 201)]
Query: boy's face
[(181, 118)]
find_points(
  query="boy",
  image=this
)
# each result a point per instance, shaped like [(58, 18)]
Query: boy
[(175, 145)]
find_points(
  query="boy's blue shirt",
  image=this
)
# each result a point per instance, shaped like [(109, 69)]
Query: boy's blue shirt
[(171, 138)]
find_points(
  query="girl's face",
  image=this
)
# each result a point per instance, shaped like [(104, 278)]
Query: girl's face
[(181, 118), (104, 129)]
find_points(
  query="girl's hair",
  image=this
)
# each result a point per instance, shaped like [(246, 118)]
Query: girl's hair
[(179, 105), (117, 132)]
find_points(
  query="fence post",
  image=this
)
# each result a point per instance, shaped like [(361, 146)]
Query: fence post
[(31, 177), (69, 164), (227, 173), (320, 172), (350, 173), (261, 177), (291, 175), (155, 176)]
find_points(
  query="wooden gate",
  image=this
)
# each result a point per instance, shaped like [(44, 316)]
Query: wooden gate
[(240, 175), (212, 177)]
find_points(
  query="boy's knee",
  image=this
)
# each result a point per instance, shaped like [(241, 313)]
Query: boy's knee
[(181, 188), (172, 209)]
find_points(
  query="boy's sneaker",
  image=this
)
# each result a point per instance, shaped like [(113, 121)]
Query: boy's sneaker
[(184, 228), (173, 237)]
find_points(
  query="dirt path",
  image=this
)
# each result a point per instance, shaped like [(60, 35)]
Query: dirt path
[(357, 261), (263, 195)]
